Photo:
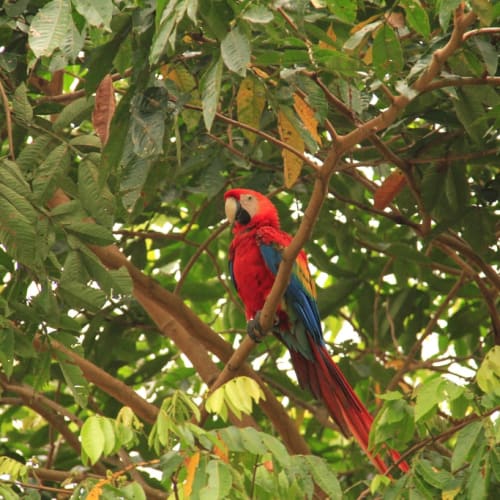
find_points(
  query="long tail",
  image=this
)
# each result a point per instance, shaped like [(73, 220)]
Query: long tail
[(327, 383)]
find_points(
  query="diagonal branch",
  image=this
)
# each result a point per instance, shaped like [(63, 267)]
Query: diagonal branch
[(179, 323), (344, 144)]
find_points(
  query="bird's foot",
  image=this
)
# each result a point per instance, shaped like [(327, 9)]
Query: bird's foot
[(255, 330)]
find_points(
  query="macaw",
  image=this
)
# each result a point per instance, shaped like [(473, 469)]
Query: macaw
[(254, 257)]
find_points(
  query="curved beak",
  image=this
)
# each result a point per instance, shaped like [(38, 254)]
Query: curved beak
[(232, 207)]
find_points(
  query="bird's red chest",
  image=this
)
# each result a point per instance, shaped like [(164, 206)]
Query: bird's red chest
[(251, 275)]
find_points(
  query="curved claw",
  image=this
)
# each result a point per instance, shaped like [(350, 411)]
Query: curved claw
[(254, 329)]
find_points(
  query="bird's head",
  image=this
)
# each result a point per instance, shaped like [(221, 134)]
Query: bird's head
[(246, 208)]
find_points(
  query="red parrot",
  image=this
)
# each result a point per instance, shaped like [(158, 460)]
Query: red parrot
[(254, 258)]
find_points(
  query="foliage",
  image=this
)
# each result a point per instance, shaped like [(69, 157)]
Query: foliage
[(123, 122)]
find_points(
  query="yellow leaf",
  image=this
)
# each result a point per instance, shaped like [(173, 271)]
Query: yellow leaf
[(182, 78), (368, 57), (332, 36), (306, 114), (450, 494), (186, 83), (95, 492), (250, 103), (292, 164), (191, 466)]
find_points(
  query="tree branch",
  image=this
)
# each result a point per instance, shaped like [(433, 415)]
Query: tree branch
[(180, 324)]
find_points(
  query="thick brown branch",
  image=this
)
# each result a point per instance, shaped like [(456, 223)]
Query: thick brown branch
[(112, 386), (180, 324)]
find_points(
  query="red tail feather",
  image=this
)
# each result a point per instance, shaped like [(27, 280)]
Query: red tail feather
[(327, 383)]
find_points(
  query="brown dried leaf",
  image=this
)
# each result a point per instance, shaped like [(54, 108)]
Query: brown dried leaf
[(396, 20), (389, 189), (306, 114), (292, 164), (104, 108)]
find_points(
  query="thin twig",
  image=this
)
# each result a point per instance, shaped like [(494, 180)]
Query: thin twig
[(428, 330)]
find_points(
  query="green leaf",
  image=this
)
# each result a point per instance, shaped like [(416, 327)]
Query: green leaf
[(7, 350), (95, 196), (210, 89), (109, 435), (484, 10), (252, 441), (232, 438), (92, 438), (11, 176), (89, 232), (432, 185), (324, 477), (236, 51), (446, 9), (132, 491), (470, 112), (80, 296), (466, 440), (50, 172), (336, 61), (277, 449), (429, 395), (219, 480), (73, 375), (345, 10), (74, 113), (440, 479), (18, 227), (488, 375), (456, 188), (12, 468), (488, 53), (135, 171), (73, 42), (49, 27), (406, 251), (33, 154), (166, 29), (96, 12), (6, 493), (23, 113), (170, 462), (416, 17), (479, 229), (387, 53), (258, 14)]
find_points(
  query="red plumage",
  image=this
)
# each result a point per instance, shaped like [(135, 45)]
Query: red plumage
[(254, 256)]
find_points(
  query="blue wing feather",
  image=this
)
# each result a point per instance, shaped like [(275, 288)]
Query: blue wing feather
[(296, 296)]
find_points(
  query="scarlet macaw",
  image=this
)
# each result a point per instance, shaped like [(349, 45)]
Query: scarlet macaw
[(254, 257)]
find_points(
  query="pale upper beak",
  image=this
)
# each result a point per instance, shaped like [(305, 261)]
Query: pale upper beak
[(231, 208)]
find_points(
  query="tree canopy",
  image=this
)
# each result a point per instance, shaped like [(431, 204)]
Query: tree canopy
[(125, 369)]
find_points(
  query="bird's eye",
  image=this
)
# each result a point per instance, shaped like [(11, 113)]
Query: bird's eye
[(249, 197)]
